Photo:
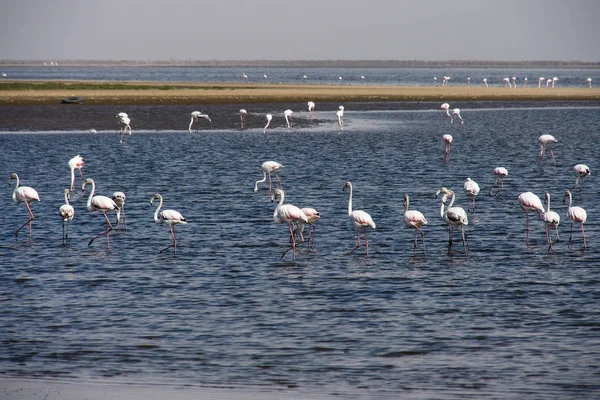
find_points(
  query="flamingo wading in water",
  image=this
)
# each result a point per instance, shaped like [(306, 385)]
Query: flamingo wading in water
[(415, 220), (168, 217), (500, 173), (269, 118), (311, 110), (360, 219), (471, 191), (447, 142), (76, 163), (456, 112), (446, 107), (195, 121), (24, 194), (291, 214), (269, 167), (119, 199), (312, 216), (104, 205), (576, 215), (453, 216), (340, 117), (66, 212), (551, 220), (580, 171), (545, 140), (243, 114), (288, 117), (530, 202)]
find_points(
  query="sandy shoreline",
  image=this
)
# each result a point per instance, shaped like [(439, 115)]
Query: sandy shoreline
[(232, 93)]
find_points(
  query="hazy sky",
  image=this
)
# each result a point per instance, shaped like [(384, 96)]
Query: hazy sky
[(300, 30)]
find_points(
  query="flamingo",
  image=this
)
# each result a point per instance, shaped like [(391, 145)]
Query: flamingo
[(243, 114), (312, 216), (485, 82), (575, 214), (169, 217), (446, 80), (124, 125), (530, 202), (589, 82), (244, 76), (540, 80), (362, 78), (469, 81), (471, 190), (288, 117), (446, 107), (456, 112), (311, 110), (500, 173), (66, 212), (525, 82), (340, 117), (119, 199), (269, 167), (548, 82), (269, 118), (415, 220), (554, 80), (290, 214), (545, 140), (265, 76), (434, 81), (24, 194), (551, 220), (580, 171), (104, 205), (196, 115), (447, 142), (507, 82), (360, 219), (514, 81), (76, 163), (453, 216)]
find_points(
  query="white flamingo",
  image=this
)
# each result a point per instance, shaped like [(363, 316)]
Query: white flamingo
[(196, 115), (525, 82), (290, 214), (554, 80), (471, 191), (360, 219), (66, 212), (311, 110), (447, 142), (589, 82), (500, 173), (288, 117), (104, 205), (168, 217), (580, 171), (551, 220), (514, 81), (269, 167), (269, 118), (545, 140), (243, 114), (507, 82), (540, 80), (340, 117), (76, 163), (24, 194), (312, 216), (456, 112), (414, 219), (576, 215), (485, 82), (446, 107), (530, 202), (119, 199), (124, 125), (453, 216)]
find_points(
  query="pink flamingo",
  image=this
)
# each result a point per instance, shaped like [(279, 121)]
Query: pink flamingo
[(269, 167), (124, 125), (446, 107), (576, 215), (311, 110), (269, 118), (456, 112), (589, 82), (244, 76), (471, 191), (453, 216), (500, 173), (485, 82), (312, 216), (580, 171), (24, 194), (447, 142), (554, 80), (196, 115), (168, 217), (360, 219), (551, 220), (66, 212), (76, 163), (540, 80), (243, 114), (530, 202), (545, 140), (288, 117), (525, 82), (415, 220), (104, 205), (290, 214), (469, 81), (507, 82), (434, 81)]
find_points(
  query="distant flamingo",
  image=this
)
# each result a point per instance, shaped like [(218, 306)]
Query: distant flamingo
[(340, 117), (288, 117), (545, 140), (290, 214), (362, 78), (453, 216), (446, 107), (76, 163), (360, 219), (471, 191), (196, 115), (434, 81), (576, 215), (507, 82), (168, 217), (446, 81), (485, 82), (514, 81), (24, 194), (554, 80), (540, 80), (124, 125), (580, 171), (525, 82), (530, 202), (551, 220), (311, 110), (548, 82), (265, 76), (589, 82), (119, 199), (244, 76), (66, 212), (500, 173), (269, 118), (469, 81), (269, 167), (415, 220), (340, 79), (456, 112), (104, 205), (312, 216), (447, 142), (243, 114)]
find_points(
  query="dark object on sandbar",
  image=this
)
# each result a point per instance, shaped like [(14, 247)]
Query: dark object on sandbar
[(72, 100)]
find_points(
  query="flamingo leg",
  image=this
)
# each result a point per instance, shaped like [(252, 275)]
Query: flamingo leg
[(423, 240), (174, 244), (357, 241), (105, 233), (279, 180), (583, 234), (571, 235), (311, 236), (293, 247), (67, 234), (527, 223), (63, 231), (415, 243), (450, 231), (270, 184), (366, 241), (464, 239), (552, 154), (29, 221)]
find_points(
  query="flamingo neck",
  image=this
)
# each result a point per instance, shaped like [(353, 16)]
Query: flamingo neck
[(260, 181), (442, 213), (66, 197), (89, 202), (570, 200), (350, 201), (548, 202), (160, 203), (281, 199), (406, 204), (453, 195), (72, 178)]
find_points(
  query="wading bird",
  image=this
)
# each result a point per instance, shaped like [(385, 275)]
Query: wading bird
[(312, 216), (545, 140), (119, 199), (446, 107), (311, 110), (453, 216), (269, 167), (360, 219), (195, 121), (104, 205), (24, 194), (414, 219), (576, 215), (456, 112), (243, 114), (551, 220), (580, 171), (124, 126), (66, 212), (447, 142), (340, 117), (269, 118), (288, 117), (530, 202), (471, 191), (485, 82), (76, 163), (168, 217), (290, 214), (500, 173)]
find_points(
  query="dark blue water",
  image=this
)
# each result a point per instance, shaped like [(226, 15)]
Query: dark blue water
[(509, 320), (568, 77)]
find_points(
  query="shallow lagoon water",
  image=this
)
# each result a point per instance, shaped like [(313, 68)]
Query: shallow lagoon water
[(508, 320)]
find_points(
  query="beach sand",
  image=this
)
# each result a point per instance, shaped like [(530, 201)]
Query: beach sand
[(231, 93)]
